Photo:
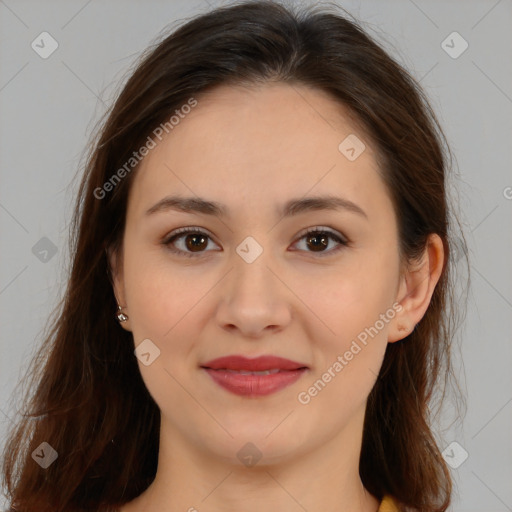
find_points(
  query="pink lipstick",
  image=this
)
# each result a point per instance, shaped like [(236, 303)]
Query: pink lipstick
[(254, 377)]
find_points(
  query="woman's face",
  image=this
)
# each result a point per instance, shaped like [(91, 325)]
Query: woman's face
[(252, 282)]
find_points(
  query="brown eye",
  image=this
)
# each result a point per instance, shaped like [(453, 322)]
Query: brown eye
[(188, 242), (195, 242), (317, 241)]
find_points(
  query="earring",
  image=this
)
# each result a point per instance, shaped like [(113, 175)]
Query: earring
[(120, 315)]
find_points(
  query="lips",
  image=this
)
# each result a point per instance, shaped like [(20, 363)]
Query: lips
[(254, 377), (259, 364)]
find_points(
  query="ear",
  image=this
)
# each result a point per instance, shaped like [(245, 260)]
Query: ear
[(115, 262), (416, 287)]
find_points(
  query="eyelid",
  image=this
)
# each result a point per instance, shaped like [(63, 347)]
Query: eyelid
[(187, 229), (323, 229), (184, 231)]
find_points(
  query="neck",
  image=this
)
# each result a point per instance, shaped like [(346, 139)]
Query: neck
[(324, 479)]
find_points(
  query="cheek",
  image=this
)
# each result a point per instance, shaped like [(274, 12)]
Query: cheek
[(161, 299), (161, 309), (350, 350), (354, 305), (352, 297)]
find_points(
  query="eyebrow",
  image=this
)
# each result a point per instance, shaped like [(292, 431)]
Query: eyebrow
[(290, 208)]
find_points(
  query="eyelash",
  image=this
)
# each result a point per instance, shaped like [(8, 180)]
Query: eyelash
[(180, 233)]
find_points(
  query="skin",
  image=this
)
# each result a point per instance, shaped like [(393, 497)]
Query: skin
[(252, 149)]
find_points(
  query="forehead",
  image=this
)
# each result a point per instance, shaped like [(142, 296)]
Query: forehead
[(259, 144)]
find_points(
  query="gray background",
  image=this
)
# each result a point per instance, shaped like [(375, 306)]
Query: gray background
[(49, 108)]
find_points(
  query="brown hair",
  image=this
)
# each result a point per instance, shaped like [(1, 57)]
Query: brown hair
[(90, 403)]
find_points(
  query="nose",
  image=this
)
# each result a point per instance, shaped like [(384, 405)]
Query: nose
[(253, 300)]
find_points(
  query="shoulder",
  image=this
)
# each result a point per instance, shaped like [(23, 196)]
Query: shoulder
[(388, 504)]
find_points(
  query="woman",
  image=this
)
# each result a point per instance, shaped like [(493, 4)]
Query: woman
[(256, 315)]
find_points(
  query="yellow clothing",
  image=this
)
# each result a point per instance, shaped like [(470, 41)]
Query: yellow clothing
[(388, 504)]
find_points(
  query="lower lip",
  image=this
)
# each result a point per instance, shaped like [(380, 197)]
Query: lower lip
[(255, 385)]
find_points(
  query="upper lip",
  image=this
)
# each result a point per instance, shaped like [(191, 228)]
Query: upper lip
[(252, 365)]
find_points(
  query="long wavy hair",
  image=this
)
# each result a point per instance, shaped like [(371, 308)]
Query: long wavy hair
[(86, 397)]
